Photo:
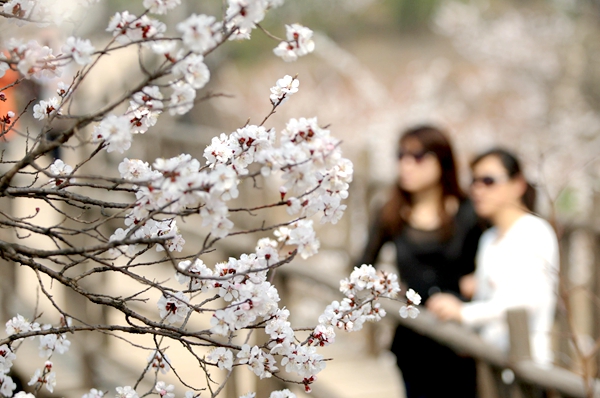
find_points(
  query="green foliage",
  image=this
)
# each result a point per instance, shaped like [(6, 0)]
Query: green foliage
[(566, 203)]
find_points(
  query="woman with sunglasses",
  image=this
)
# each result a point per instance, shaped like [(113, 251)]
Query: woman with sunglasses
[(517, 261), (435, 232)]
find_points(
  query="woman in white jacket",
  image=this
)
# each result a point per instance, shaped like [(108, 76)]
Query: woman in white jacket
[(517, 259)]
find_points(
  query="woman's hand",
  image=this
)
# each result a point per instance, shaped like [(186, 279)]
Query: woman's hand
[(445, 306)]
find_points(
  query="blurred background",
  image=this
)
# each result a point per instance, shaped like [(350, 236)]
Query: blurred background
[(524, 74)]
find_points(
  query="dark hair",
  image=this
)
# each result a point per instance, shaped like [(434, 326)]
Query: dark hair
[(398, 207), (513, 169)]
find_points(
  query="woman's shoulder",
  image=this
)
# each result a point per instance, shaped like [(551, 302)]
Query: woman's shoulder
[(535, 231), (530, 223)]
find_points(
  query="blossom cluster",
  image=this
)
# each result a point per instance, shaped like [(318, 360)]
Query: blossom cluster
[(362, 290), (313, 176), (299, 42), (316, 179), (251, 299), (49, 343)]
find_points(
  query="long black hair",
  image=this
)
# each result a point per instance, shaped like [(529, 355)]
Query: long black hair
[(513, 169), (397, 209)]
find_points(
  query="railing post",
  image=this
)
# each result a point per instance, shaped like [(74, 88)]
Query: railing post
[(518, 329), (563, 350), (596, 293), (520, 348), (487, 386)]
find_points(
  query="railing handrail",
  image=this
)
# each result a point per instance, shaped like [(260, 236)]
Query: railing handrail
[(466, 341)]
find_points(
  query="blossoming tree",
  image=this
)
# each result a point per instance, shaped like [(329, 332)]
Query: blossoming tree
[(214, 308)]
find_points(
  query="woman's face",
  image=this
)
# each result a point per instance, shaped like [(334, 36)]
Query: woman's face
[(492, 190), (418, 170)]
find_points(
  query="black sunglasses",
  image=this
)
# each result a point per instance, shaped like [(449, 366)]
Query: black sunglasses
[(417, 156), (487, 181)]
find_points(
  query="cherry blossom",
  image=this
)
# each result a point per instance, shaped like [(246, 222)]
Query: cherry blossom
[(182, 98), (46, 108), (7, 385), (45, 377), (126, 392), (194, 70), (23, 394), (93, 394), (413, 297), (80, 49), (282, 394), (19, 8), (198, 32), (49, 343), (409, 311), (173, 308), (59, 168), (165, 390), (299, 43), (161, 6), (246, 13), (283, 89), (7, 356), (198, 268), (115, 131), (62, 89), (19, 324), (3, 68), (222, 356), (158, 360), (126, 27)]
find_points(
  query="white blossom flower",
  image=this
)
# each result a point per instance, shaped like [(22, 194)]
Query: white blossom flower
[(161, 6), (44, 377), (23, 394), (165, 390), (126, 392), (6, 359), (222, 356), (248, 395), (197, 33), (194, 70), (282, 394), (7, 385), (159, 360), (198, 268), (19, 8), (413, 297), (93, 394), (59, 168), (3, 68), (49, 343), (35, 60), (283, 89), (19, 324), (115, 131), (62, 89), (299, 42), (45, 108), (173, 308), (245, 14), (182, 98), (303, 235), (409, 311), (80, 49)]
